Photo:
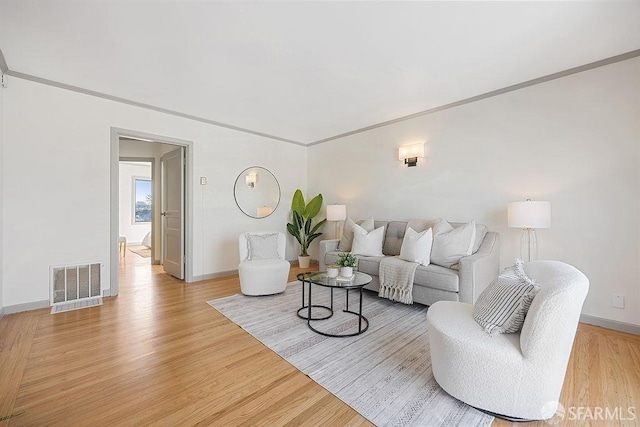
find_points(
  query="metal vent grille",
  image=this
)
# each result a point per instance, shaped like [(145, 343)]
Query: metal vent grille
[(75, 286)]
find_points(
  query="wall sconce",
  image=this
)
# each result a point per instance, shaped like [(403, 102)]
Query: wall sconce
[(251, 179), (410, 153)]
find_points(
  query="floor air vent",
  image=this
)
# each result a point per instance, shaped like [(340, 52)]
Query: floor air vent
[(75, 286)]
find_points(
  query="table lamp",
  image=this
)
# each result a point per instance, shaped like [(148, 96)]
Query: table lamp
[(529, 215), (336, 213)]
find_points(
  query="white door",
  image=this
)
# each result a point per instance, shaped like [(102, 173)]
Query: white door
[(173, 213)]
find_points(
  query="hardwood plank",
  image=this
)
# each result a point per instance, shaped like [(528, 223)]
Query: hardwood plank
[(15, 343), (158, 354)]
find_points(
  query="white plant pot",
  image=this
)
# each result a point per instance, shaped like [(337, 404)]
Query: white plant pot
[(332, 271), (346, 271), (304, 261)]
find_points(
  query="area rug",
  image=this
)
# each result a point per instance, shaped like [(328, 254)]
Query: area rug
[(384, 373), (143, 251)]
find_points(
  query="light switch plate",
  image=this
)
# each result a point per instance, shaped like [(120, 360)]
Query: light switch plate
[(617, 301)]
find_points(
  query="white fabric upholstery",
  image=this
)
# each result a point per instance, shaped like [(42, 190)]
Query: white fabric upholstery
[(520, 374), (450, 244), (263, 276), (346, 241), (367, 243), (416, 247)]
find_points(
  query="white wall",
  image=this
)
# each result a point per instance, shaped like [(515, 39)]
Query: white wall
[(134, 232), (62, 139), (574, 141), (1, 199)]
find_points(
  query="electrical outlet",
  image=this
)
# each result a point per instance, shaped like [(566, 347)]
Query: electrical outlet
[(617, 300), (203, 180)]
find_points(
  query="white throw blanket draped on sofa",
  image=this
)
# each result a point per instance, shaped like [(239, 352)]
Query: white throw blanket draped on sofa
[(396, 279)]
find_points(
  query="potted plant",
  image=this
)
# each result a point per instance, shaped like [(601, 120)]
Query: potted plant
[(347, 263), (301, 227)]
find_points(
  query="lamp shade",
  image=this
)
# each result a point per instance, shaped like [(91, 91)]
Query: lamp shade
[(336, 212), (529, 214), (409, 151)]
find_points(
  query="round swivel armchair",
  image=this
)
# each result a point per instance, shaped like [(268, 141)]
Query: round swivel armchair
[(517, 376), (263, 269)]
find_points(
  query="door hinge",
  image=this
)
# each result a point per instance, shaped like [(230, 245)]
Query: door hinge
[(5, 81)]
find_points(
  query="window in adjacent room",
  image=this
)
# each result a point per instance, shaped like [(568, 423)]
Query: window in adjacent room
[(142, 200)]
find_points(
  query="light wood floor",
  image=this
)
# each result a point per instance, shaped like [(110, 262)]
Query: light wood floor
[(158, 354)]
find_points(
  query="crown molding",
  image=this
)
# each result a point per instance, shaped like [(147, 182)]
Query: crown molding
[(601, 63), (533, 82), (36, 79)]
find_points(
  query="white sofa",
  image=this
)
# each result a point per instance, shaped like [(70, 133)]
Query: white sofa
[(517, 375), (431, 283)]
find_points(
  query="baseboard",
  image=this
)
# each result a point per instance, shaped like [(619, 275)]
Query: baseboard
[(295, 263), (1, 312), (235, 272), (27, 306), (215, 275), (611, 324)]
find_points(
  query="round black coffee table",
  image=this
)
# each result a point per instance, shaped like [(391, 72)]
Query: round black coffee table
[(359, 281)]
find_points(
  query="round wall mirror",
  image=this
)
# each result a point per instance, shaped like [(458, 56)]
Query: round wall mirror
[(257, 192)]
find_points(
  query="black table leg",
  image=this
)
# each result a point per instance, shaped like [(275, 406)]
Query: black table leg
[(360, 313), (307, 308)]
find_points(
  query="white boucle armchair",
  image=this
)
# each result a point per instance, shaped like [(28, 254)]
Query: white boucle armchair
[(518, 375), (263, 276)]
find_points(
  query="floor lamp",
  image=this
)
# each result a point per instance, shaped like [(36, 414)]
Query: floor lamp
[(529, 215), (336, 213)]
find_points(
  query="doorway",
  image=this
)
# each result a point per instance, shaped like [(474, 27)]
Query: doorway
[(168, 237), (136, 217)]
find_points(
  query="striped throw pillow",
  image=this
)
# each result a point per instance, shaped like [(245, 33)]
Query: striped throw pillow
[(502, 307)]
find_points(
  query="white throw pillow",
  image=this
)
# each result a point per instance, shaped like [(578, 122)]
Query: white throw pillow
[(346, 241), (503, 306), (481, 231), (263, 246), (450, 244), (367, 243), (416, 247)]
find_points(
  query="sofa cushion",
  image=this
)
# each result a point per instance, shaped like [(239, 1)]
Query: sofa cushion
[(481, 231), (416, 247), (437, 277), (366, 264), (393, 237), (369, 264), (450, 244), (367, 243), (346, 241), (420, 224)]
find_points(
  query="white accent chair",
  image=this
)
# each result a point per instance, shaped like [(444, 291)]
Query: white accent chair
[(263, 276), (518, 375)]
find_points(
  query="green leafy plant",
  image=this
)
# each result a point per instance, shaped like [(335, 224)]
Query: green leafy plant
[(303, 213), (347, 260)]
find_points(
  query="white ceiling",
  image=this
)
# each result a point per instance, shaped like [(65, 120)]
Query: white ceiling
[(306, 71)]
